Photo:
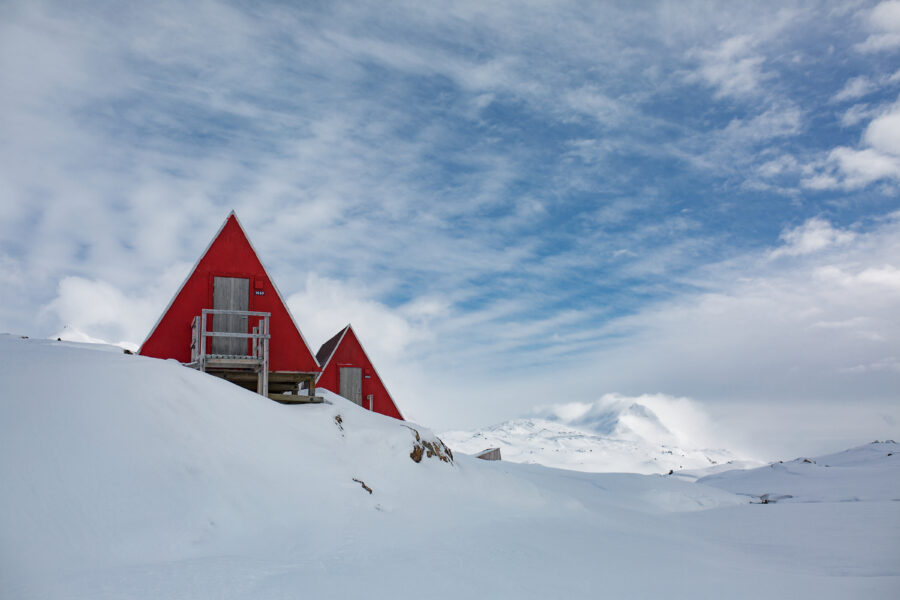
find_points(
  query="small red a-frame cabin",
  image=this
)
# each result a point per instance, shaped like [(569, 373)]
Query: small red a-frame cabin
[(229, 319), (347, 371)]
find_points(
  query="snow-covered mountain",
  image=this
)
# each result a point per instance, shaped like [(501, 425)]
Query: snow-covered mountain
[(648, 434), (128, 477)]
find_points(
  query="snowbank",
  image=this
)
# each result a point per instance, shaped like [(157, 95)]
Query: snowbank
[(866, 473), (129, 477)]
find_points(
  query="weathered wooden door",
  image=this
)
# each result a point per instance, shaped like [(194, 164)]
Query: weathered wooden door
[(230, 293), (351, 384)]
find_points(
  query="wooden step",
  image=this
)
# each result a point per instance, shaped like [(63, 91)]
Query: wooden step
[(274, 376), (274, 388), (279, 381), (296, 399)]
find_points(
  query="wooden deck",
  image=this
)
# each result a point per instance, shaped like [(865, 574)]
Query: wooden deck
[(285, 387), (279, 381), (250, 371), (296, 399)]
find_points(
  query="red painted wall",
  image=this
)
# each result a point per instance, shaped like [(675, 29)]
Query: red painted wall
[(229, 255), (350, 353)]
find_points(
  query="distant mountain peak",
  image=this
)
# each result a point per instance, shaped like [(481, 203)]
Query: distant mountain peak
[(647, 434)]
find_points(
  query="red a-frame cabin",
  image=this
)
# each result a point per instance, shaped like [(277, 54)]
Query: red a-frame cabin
[(347, 371), (228, 318)]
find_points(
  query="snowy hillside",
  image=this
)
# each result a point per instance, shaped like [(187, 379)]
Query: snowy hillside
[(129, 477), (650, 434), (867, 473)]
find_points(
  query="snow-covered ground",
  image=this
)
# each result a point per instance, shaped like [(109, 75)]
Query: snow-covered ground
[(855, 475), (649, 434), (128, 477)]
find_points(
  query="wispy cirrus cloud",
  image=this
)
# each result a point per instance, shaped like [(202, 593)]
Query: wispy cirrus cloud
[(734, 67), (856, 87)]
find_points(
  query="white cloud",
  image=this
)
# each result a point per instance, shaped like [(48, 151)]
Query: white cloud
[(593, 102), (884, 22), (733, 67), (671, 420), (739, 148), (856, 87), (11, 275), (858, 168), (770, 318), (325, 306), (783, 164), (883, 132), (878, 157), (812, 236), (84, 305), (846, 323), (775, 122), (889, 364), (855, 114), (886, 275)]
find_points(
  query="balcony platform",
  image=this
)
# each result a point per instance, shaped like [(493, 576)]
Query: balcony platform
[(296, 399)]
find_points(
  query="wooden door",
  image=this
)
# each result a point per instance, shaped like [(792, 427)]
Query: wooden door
[(230, 293), (351, 384)]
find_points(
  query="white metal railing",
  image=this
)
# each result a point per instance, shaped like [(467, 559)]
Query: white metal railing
[(257, 354)]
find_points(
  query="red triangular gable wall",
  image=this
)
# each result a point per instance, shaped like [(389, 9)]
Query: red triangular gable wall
[(349, 353), (230, 254)]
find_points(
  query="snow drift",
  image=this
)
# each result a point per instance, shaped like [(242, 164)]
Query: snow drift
[(867, 473), (129, 477)]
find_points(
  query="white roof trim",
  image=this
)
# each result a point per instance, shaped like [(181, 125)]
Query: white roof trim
[(277, 291), (186, 279)]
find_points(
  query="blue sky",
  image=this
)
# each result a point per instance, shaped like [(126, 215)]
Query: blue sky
[(529, 201)]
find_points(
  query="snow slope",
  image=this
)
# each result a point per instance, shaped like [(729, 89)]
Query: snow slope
[(648, 434), (869, 473), (129, 477)]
